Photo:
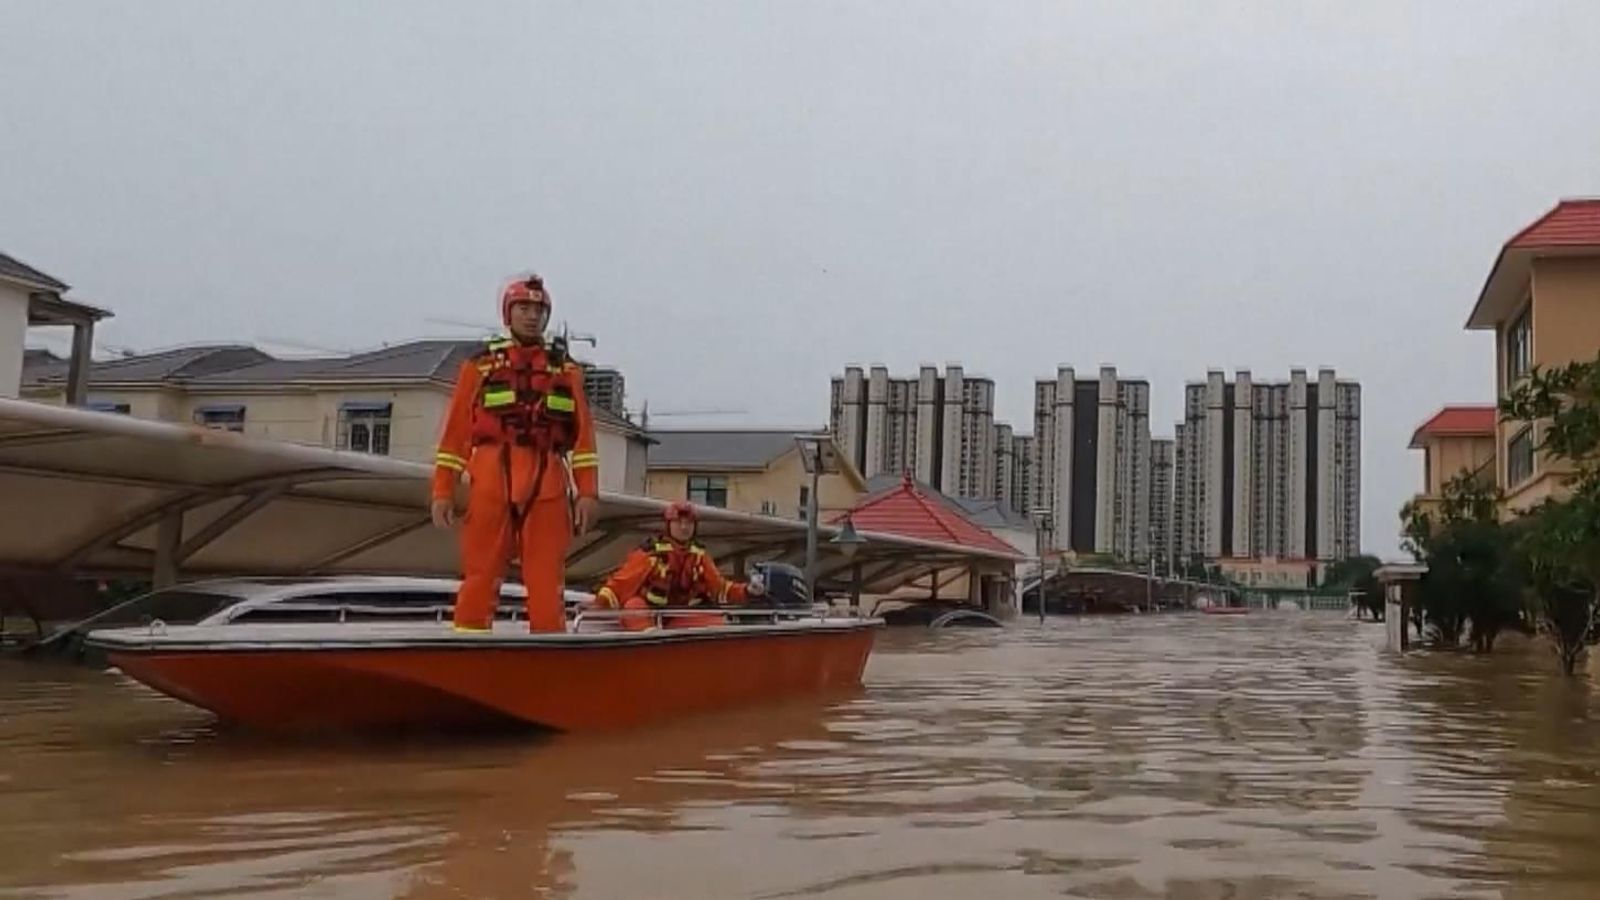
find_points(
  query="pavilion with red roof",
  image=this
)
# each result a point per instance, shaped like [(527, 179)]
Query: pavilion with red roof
[(907, 510)]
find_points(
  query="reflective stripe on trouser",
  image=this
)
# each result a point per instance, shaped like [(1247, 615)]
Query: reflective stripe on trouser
[(681, 619), (486, 542)]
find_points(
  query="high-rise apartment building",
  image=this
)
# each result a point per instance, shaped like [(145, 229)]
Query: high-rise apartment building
[(1022, 475), (1162, 458), (1005, 465), (603, 387), (940, 428), (1269, 469), (1091, 463), (1013, 481)]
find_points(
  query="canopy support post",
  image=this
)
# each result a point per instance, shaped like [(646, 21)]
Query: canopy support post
[(78, 367), (169, 539)]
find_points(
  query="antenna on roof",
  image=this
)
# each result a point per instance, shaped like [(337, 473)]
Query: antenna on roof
[(644, 413), (582, 338)]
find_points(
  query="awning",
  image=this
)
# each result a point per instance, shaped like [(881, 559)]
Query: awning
[(102, 494), (358, 407)]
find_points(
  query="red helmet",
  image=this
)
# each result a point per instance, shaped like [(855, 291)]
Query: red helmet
[(681, 509), (523, 289)]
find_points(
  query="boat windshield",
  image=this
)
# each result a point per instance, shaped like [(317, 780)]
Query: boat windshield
[(175, 606)]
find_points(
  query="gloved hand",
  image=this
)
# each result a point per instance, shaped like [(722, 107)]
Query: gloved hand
[(755, 587)]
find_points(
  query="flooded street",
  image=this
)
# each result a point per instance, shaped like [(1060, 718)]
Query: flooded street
[(1268, 756)]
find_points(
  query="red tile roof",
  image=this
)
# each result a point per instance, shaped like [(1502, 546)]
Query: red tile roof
[(1457, 421), (906, 511), (1572, 227), (1573, 223)]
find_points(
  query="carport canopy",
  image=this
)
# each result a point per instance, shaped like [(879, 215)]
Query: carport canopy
[(104, 495)]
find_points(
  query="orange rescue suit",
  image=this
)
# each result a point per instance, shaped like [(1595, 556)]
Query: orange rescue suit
[(519, 428), (664, 574)]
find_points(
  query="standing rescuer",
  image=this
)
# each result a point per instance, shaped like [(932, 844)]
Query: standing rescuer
[(519, 428), (672, 571)]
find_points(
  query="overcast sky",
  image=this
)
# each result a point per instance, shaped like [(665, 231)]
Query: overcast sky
[(740, 198)]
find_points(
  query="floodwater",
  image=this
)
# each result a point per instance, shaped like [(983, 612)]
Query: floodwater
[(1265, 756)]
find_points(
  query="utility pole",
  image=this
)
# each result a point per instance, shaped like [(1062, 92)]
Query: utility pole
[(1041, 525), (811, 530), (818, 457)]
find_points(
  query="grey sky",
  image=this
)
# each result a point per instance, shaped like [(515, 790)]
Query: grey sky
[(741, 197)]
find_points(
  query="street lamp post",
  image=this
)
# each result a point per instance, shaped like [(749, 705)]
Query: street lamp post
[(818, 456), (848, 542), (1041, 525)]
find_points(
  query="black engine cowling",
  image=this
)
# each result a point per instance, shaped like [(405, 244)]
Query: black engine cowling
[(786, 585)]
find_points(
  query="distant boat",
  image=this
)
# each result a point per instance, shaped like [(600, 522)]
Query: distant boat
[(1225, 610)]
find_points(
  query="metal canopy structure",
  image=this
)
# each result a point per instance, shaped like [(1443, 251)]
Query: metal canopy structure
[(100, 494)]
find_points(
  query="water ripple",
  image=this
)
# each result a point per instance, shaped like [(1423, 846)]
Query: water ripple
[(1165, 756)]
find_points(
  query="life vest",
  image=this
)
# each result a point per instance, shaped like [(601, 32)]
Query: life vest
[(674, 578), (525, 398)]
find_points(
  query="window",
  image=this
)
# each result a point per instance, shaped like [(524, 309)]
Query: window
[(709, 490), (108, 406), (805, 501), (768, 508), (1519, 346), (1519, 458), (227, 418), (364, 427)]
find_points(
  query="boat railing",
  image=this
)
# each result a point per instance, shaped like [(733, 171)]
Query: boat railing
[(660, 617), (442, 612)]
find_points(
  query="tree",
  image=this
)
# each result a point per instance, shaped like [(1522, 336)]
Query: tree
[(1563, 547), (1473, 573), (1561, 537)]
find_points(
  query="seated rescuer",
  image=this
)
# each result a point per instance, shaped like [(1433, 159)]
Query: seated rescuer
[(519, 427), (672, 571)]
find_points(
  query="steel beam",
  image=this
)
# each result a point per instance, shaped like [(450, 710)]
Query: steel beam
[(603, 538), (182, 503), (391, 533), (47, 436), (214, 529)]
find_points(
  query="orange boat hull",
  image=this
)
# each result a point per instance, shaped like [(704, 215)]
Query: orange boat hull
[(578, 687)]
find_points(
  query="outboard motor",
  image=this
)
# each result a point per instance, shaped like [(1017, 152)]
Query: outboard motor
[(786, 585)]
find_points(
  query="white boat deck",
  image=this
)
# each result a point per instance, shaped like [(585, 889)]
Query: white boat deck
[(591, 632)]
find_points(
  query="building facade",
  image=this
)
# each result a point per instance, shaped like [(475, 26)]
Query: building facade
[(1162, 457), (388, 402), (31, 299), (1540, 302), (752, 471), (603, 386), (1269, 469), (938, 428), (1456, 441), (1091, 463)]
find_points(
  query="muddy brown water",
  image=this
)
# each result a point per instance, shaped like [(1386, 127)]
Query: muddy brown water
[(1265, 756)]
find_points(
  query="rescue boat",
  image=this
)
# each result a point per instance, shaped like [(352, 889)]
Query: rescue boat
[(358, 673)]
